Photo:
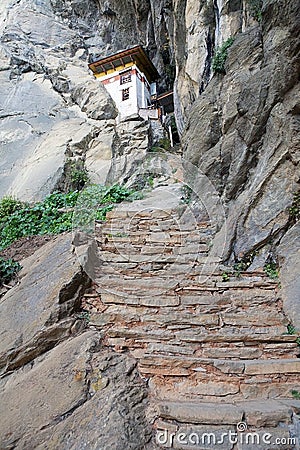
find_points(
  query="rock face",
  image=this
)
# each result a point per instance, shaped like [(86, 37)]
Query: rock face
[(42, 310), (79, 397), (242, 131), (73, 392), (53, 114), (44, 76), (288, 252)]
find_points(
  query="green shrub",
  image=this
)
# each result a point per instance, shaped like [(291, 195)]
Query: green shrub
[(95, 201), (54, 215), (48, 217), (239, 267), (271, 270), (79, 177), (295, 394), (187, 193), (9, 205), (162, 144), (291, 329), (218, 61), (225, 277), (8, 269)]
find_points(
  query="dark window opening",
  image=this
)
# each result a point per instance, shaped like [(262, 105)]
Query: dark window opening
[(125, 94), (125, 77)]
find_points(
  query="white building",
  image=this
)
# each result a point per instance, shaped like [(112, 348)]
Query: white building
[(129, 76)]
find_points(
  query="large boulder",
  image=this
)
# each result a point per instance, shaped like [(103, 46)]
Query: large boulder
[(78, 395), (94, 100), (38, 312)]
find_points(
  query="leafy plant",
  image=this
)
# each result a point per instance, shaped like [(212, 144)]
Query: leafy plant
[(295, 394), (8, 269), (294, 210), (239, 268), (96, 201), (162, 144), (244, 263), (79, 177), (54, 215), (271, 270), (291, 329), (187, 192), (9, 205), (255, 7), (83, 315), (48, 217), (225, 277), (219, 59)]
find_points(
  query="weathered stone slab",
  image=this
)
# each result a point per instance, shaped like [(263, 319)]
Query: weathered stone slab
[(159, 301), (213, 389), (241, 334), (37, 397), (170, 348), (162, 371), (267, 388), (266, 414), (200, 299), (183, 318), (51, 287), (271, 366), (242, 352), (201, 413), (110, 298), (255, 317), (227, 366), (75, 396)]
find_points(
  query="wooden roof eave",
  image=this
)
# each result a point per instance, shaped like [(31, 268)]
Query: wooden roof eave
[(141, 59)]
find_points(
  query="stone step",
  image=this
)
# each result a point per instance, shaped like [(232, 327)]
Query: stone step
[(178, 383), (257, 414), (243, 351), (145, 333), (124, 234), (149, 362), (224, 313), (234, 299), (160, 258), (236, 334), (138, 280), (138, 229), (153, 247)]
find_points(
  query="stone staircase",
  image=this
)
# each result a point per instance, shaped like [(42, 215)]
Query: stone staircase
[(214, 348)]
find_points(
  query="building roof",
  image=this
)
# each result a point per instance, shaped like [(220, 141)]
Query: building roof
[(167, 101), (135, 54)]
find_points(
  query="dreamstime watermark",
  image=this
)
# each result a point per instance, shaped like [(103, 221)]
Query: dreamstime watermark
[(241, 435), (174, 247)]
